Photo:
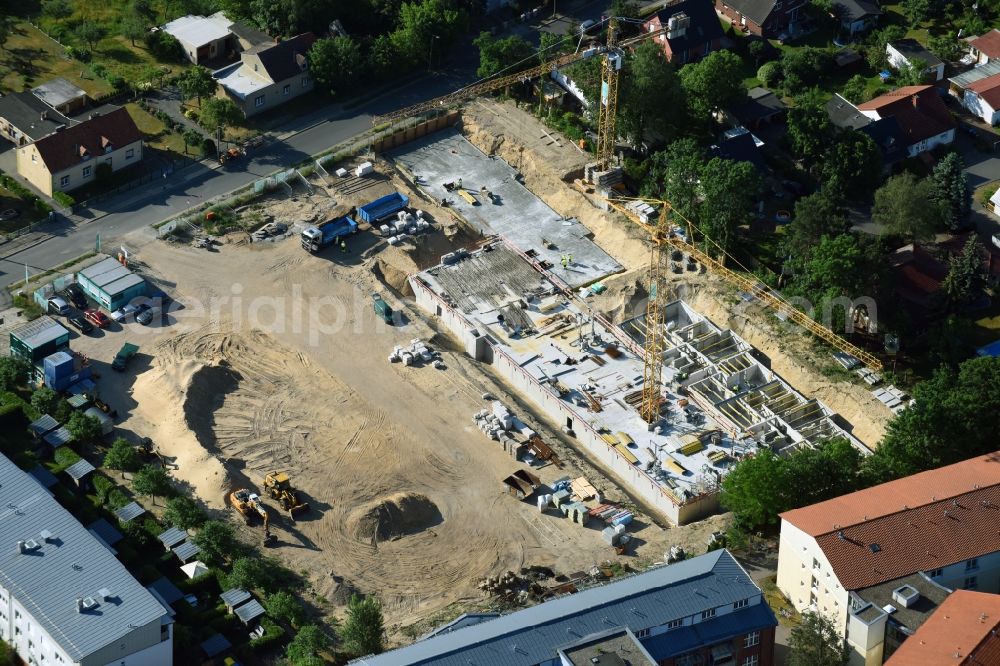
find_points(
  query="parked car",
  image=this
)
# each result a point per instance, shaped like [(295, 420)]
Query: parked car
[(81, 324), (587, 25), (97, 318), (147, 313), (59, 306), (9, 214), (77, 297), (123, 314)]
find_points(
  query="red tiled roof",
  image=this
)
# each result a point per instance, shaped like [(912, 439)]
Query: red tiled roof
[(988, 90), (67, 147), (897, 496), (988, 44), (919, 539), (918, 274), (919, 110), (963, 631)]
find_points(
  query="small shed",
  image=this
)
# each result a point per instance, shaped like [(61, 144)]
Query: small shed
[(80, 401), (61, 95), (249, 611), (129, 512), (167, 590), (44, 476), (37, 339), (194, 569), (172, 537), (186, 551), (79, 471), (234, 597), (105, 531), (43, 426), (111, 284), (215, 645), (58, 437)]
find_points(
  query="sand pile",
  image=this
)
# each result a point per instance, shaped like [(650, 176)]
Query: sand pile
[(206, 392), (393, 517)]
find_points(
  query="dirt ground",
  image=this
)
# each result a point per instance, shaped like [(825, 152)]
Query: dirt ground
[(549, 165), (274, 359)]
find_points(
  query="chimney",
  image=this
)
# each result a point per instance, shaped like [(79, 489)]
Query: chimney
[(20, 547), (79, 604)]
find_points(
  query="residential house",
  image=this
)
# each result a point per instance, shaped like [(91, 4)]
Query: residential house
[(740, 145), (68, 158), (958, 84), (693, 30), (918, 276), (204, 38), (885, 132), (920, 112), (764, 18), (986, 48), (910, 52), (25, 118), (982, 98), (760, 107), (856, 16), (65, 599), (62, 96), (268, 75), (862, 557), (964, 631), (698, 611)]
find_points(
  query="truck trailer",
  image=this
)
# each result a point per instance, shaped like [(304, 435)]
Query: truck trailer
[(383, 207), (325, 234)]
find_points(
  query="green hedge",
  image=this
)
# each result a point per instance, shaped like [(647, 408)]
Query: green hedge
[(273, 634), (63, 199), (24, 193), (64, 457)]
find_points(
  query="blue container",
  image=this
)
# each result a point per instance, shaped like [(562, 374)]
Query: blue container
[(58, 365)]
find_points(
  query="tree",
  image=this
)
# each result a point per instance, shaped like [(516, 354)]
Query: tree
[(251, 573), (625, 9), (650, 96), (184, 512), (6, 30), (966, 277), (729, 190), (955, 416), (907, 207), (197, 82), (816, 215), (122, 457), (165, 46), (336, 64), (421, 24), (833, 270), (57, 9), (363, 631), (674, 175), (770, 74), (216, 541), (802, 68), (910, 75), (191, 137), (713, 82), (45, 400), (951, 190), (809, 128), (879, 39), (917, 11), (383, 58), (152, 480), (219, 112), (308, 641), (284, 606), (852, 165), (507, 55), (815, 641), (90, 33), (855, 90), (83, 428), (132, 27), (754, 489), (946, 47), (757, 50)]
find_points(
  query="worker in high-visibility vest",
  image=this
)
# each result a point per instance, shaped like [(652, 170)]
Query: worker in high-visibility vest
[(343, 246)]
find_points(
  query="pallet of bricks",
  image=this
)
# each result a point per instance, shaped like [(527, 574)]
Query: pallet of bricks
[(496, 423)]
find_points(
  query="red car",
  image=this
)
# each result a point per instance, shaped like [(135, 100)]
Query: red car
[(97, 318)]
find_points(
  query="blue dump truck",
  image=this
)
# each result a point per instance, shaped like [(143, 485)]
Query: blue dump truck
[(322, 235), (383, 207)]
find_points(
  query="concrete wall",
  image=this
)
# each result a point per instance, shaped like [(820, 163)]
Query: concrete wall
[(32, 169), (407, 134), (637, 481)]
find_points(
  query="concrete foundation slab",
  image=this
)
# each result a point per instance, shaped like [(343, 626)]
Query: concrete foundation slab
[(513, 212)]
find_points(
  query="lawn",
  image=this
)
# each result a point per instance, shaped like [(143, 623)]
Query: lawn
[(28, 214), (157, 134), (31, 58)]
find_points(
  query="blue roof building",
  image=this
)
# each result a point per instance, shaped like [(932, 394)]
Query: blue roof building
[(699, 611)]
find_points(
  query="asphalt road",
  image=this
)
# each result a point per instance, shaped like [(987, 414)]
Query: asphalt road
[(314, 133)]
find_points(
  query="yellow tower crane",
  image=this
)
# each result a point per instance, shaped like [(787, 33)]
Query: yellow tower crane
[(664, 234)]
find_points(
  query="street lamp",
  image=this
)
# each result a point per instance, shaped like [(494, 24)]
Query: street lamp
[(430, 57)]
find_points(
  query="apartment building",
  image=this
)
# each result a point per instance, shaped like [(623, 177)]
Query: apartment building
[(965, 631), (880, 560), (64, 598)]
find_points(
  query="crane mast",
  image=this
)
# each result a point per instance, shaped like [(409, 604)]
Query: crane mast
[(652, 372), (608, 105)]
